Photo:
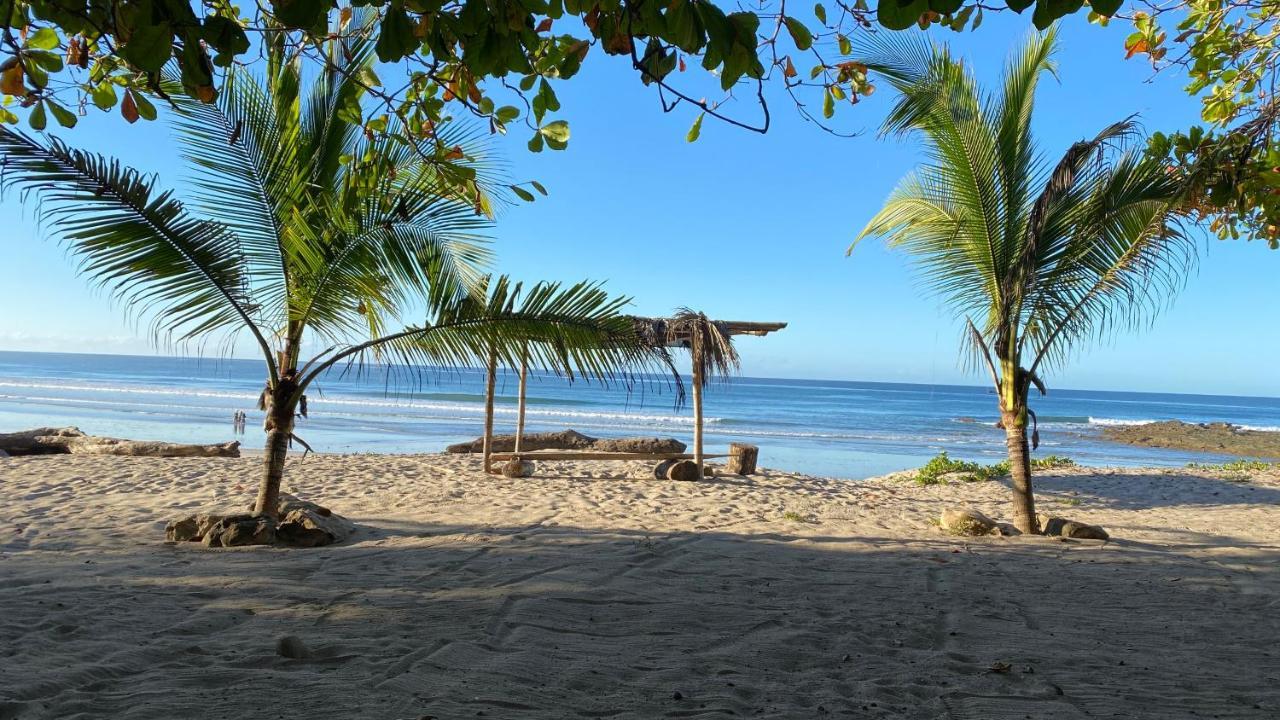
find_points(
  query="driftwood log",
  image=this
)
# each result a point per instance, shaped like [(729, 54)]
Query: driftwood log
[(70, 440), (742, 458), (570, 440)]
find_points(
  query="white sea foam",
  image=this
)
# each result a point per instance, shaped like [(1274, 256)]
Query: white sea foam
[(1118, 422), (320, 402)]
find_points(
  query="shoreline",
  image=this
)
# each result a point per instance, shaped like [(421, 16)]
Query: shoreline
[(833, 428), (591, 591)]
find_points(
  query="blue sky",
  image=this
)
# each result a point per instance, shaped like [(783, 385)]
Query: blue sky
[(754, 227)]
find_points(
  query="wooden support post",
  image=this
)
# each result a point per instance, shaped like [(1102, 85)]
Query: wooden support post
[(488, 409), (524, 376), (695, 351), (742, 458)]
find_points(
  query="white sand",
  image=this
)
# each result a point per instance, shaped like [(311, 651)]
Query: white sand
[(583, 594)]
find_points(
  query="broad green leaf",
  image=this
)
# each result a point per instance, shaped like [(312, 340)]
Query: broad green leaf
[(820, 12), (696, 129), (828, 104), (557, 131), (521, 193), (146, 110), (535, 142), (37, 76), (225, 35), (799, 34), (47, 61), (538, 186), (1106, 8), (896, 16), (303, 14), (368, 77), (45, 38), (395, 36), (37, 119), (149, 47), (65, 117)]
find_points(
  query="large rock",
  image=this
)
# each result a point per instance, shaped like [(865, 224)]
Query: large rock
[(183, 529), (571, 440), (307, 528), (1062, 527), (288, 503), (565, 440), (966, 521), (639, 445), (239, 530), (301, 524), (193, 528)]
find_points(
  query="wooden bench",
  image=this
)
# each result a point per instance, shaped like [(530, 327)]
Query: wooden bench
[(742, 459)]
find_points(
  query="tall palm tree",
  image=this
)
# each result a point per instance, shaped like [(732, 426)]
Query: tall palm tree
[(311, 229), (1037, 256)]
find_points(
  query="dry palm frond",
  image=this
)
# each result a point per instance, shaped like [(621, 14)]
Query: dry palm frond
[(708, 341)]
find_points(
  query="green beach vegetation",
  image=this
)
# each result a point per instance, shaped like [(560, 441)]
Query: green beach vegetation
[(315, 238), (941, 465), (1038, 255)]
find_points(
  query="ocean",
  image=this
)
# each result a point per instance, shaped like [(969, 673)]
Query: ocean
[(844, 429)]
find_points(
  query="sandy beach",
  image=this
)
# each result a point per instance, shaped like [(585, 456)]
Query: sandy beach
[(594, 591)]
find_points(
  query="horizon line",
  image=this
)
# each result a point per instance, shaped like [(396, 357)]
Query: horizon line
[(224, 358)]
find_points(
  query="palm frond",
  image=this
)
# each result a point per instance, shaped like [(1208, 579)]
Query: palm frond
[(1038, 257), (140, 243), (575, 331), (1126, 260), (248, 172), (714, 355)]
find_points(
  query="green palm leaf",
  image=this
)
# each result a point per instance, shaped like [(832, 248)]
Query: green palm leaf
[(185, 272)]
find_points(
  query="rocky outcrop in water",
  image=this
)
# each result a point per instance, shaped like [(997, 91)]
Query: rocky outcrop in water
[(1222, 438), (571, 440)]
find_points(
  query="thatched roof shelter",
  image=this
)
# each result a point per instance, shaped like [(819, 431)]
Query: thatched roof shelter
[(711, 350), (710, 345)]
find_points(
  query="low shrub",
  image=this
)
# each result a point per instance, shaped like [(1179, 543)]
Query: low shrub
[(933, 471)]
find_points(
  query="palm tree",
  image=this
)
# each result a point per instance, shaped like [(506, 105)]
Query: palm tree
[(312, 229), (1038, 257), (574, 333)]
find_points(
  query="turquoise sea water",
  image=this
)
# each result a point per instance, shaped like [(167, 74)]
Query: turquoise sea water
[(841, 429)]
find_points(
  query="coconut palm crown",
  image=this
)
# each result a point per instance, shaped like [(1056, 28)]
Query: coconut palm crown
[(1037, 256), (306, 228)]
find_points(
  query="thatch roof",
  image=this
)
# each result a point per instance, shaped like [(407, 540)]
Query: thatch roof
[(668, 332)]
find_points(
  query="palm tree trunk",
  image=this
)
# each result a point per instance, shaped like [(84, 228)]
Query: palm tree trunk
[(1024, 503), (697, 405), (488, 410), (279, 426), (524, 377), (272, 473)]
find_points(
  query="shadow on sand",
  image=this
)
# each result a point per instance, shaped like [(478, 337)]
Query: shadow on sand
[(453, 621)]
